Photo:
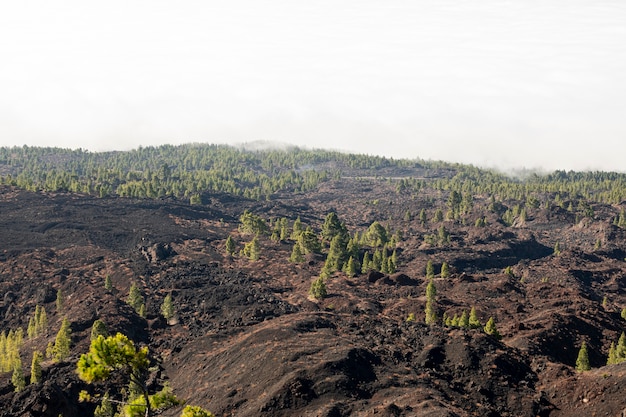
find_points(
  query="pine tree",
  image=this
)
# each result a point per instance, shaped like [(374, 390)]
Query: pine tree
[(333, 227), (108, 285), (41, 320), (50, 350), (491, 329), (430, 269), (431, 314), (318, 289), (612, 359), (394, 259), (35, 368), (297, 229), (195, 411), (105, 409), (620, 350), (63, 341), (582, 362), (438, 217), (31, 330), (252, 249), (98, 328), (365, 266), (296, 254), (474, 322), (464, 320), (623, 314), (350, 267), (135, 299), (230, 246), (444, 270), (422, 217), (17, 379), (430, 310), (309, 242), (431, 290), (167, 308), (376, 263), (60, 300)]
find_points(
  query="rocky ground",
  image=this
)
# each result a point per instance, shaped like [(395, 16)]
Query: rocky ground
[(248, 341)]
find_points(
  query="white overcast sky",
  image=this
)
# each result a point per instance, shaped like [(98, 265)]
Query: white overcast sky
[(525, 83)]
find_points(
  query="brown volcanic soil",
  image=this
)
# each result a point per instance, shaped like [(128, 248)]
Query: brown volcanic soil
[(248, 341)]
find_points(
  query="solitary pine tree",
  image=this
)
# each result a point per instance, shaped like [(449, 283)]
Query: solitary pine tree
[(318, 289), (491, 329), (108, 285), (444, 270), (430, 310), (230, 246), (63, 341), (135, 299), (167, 308), (582, 362), (35, 367), (430, 269)]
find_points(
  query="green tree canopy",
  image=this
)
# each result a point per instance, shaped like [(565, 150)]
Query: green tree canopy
[(582, 361), (376, 235), (333, 227)]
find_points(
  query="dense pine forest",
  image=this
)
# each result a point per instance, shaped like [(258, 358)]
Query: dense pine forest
[(186, 171)]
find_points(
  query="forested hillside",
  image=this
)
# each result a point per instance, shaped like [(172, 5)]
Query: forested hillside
[(306, 283)]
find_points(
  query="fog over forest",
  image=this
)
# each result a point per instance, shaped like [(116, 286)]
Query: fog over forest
[(497, 84)]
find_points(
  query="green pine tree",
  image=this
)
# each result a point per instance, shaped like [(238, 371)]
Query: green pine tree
[(108, 285), (167, 308), (474, 322), (134, 299), (17, 379), (98, 328), (491, 329), (431, 290), (230, 246), (365, 266), (35, 368), (464, 320), (582, 362), (430, 269), (296, 254), (105, 409), (63, 341), (350, 267), (318, 289), (444, 270), (612, 359), (430, 313)]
